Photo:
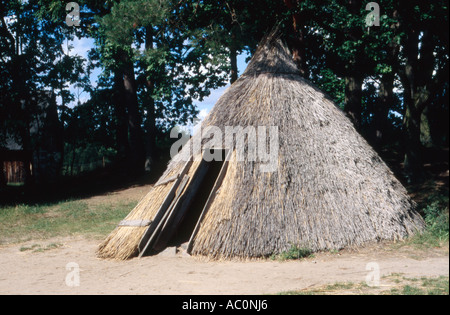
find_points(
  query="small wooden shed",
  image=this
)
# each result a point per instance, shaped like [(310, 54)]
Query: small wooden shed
[(16, 167)]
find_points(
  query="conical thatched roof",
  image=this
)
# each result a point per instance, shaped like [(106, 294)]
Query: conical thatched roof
[(329, 190)]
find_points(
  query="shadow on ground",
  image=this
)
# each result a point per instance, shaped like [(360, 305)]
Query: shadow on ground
[(111, 179), (101, 181)]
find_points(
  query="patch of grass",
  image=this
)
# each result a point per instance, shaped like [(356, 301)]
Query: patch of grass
[(294, 253), (435, 287), (48, 247), (436, 215), (36, 248), (391, 285), (24, 248), (340, 286), (422, 286), (331, 289), (312, 292), (411, 290), (24, 222)]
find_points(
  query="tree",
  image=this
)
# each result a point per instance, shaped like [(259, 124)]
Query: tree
[(159, 56), (170, 70), (422, 74), (32, 61)]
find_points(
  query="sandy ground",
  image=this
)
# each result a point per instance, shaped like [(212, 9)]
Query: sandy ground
[(69, 266), (34, 272)]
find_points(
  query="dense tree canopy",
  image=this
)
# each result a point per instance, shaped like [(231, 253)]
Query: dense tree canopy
[(156, 57)]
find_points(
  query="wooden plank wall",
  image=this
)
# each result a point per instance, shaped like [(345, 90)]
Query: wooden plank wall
[(14, 171)]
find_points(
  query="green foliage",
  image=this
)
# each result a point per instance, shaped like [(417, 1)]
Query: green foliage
[(181, 50), (331, 84), (437, 219), (87, 158), (152, 33), (294, 253), (126, 16), (32, 61), (436, 215)]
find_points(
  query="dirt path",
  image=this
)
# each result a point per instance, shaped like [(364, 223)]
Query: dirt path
[(44, 272)]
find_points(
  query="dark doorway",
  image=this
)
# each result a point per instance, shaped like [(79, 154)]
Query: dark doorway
[(181, 223), (197, 205)]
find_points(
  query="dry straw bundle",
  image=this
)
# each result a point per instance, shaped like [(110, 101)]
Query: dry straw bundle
[(331, 190)]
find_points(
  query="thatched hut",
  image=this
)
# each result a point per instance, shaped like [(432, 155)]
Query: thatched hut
[(329, 189)]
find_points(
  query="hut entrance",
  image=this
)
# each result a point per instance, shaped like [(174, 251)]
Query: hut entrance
[(182, 220), (201, 193)]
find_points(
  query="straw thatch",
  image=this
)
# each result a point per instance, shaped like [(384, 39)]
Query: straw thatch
[(330, 189)]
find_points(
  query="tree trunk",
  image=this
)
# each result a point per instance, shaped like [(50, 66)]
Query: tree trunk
[(150, 127), (417, 78), (25, 131), (2, 175), (120, 112), (297, 40), (386, 94), (233, 46), (150, 122), (354, 73), (381, 113), (353, 99), (425, 129), (136, 158), (414, 106), (72, 163), (413, 160), (234, 67), (411, 128)]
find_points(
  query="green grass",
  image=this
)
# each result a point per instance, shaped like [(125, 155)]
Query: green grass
[(423, 286), (294, 253), (36, 248), (392, 285), (31, 248), (26, 222), (340, 286), (436, 215)]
